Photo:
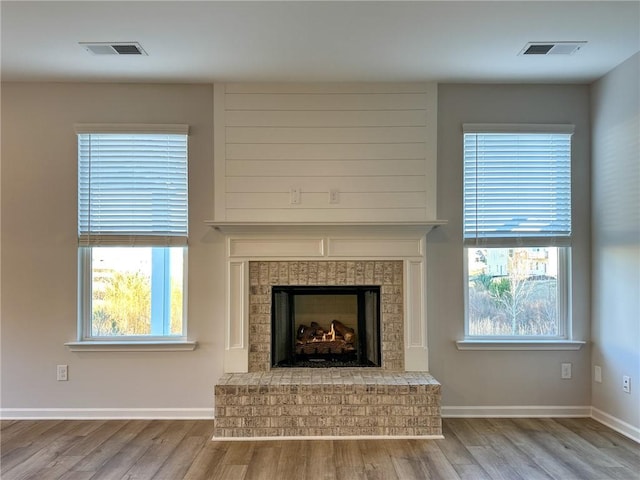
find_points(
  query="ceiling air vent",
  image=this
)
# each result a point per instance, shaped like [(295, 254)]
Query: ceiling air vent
[(113, 48), (551, 48)]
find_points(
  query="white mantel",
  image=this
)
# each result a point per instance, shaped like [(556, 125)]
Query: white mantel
[(245, 242), (382, 229)]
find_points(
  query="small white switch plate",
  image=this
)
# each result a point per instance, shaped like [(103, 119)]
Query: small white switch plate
[(626, 384), (294, 196), (62, 373), (334, 196), (597, 374), (566, 370)]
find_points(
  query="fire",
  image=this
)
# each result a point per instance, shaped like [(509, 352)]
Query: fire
[(331, 336)]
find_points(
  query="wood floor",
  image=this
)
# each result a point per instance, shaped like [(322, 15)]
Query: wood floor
[(473, 449)]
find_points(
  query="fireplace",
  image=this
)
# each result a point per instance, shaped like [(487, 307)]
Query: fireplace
[(273, 286), (260, 257), (325, 326), (272, 267)]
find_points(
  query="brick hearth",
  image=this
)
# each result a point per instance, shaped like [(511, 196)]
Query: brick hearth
[(324, 402)]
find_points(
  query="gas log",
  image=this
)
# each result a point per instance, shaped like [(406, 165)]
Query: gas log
[(345, 332), (313, 339), (309, 333)]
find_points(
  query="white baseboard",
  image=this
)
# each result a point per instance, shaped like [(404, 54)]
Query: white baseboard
[(106, 413), (616, 424), (516, 411), (530, 411)]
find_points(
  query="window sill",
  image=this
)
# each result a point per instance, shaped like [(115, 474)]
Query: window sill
[(519, 344), (132, 346)]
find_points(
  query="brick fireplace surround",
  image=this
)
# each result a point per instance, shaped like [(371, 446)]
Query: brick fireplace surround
[(386, 274), (255, 401)]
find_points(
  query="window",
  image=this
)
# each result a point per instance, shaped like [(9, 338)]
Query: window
[(517, 230), (132, 231)]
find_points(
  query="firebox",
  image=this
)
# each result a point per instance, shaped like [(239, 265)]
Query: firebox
[(325, 326)]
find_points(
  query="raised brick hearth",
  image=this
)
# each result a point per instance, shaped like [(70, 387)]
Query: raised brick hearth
[(343, 402)]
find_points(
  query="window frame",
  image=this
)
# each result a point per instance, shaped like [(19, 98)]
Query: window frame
[(86, 341), (563, 303), (561, 341), (85, 305)]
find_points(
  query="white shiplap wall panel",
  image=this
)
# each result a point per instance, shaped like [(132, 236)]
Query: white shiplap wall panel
[(261, 201), (311, 168), (328, 101), (373, 143), (340, 135), (326, 118), (343, 215), (371, 184), (378, 151)]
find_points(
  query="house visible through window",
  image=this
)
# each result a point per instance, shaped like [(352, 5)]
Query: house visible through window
[(517, 230), (132, 231)]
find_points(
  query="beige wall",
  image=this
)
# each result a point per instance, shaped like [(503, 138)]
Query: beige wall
[(39, 253), (490, 378), (616, 241), (39, 184)]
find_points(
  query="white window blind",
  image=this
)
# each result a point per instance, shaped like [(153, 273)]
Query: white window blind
[(517, 186), (132, 186)]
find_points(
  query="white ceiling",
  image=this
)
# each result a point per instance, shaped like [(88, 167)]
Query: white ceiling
[(207, 41)]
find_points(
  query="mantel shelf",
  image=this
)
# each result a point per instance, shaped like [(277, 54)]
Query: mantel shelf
[(231, 228)]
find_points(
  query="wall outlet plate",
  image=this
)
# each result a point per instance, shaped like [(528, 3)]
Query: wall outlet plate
[(62, 373), (626, 384), (597, 374), (566, 371)]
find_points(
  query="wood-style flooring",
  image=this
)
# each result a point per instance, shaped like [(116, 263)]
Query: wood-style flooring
[(473, 449)]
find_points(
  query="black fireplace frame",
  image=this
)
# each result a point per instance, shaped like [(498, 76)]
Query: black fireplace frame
[(364, 357)]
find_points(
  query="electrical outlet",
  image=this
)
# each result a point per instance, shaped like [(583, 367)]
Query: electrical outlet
[(334, 196), (62, 373), (597, 374), (566, 371), (294, 196), (626, 384)]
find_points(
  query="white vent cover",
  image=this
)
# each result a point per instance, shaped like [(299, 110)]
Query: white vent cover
[(551, 48), (113, 48)]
